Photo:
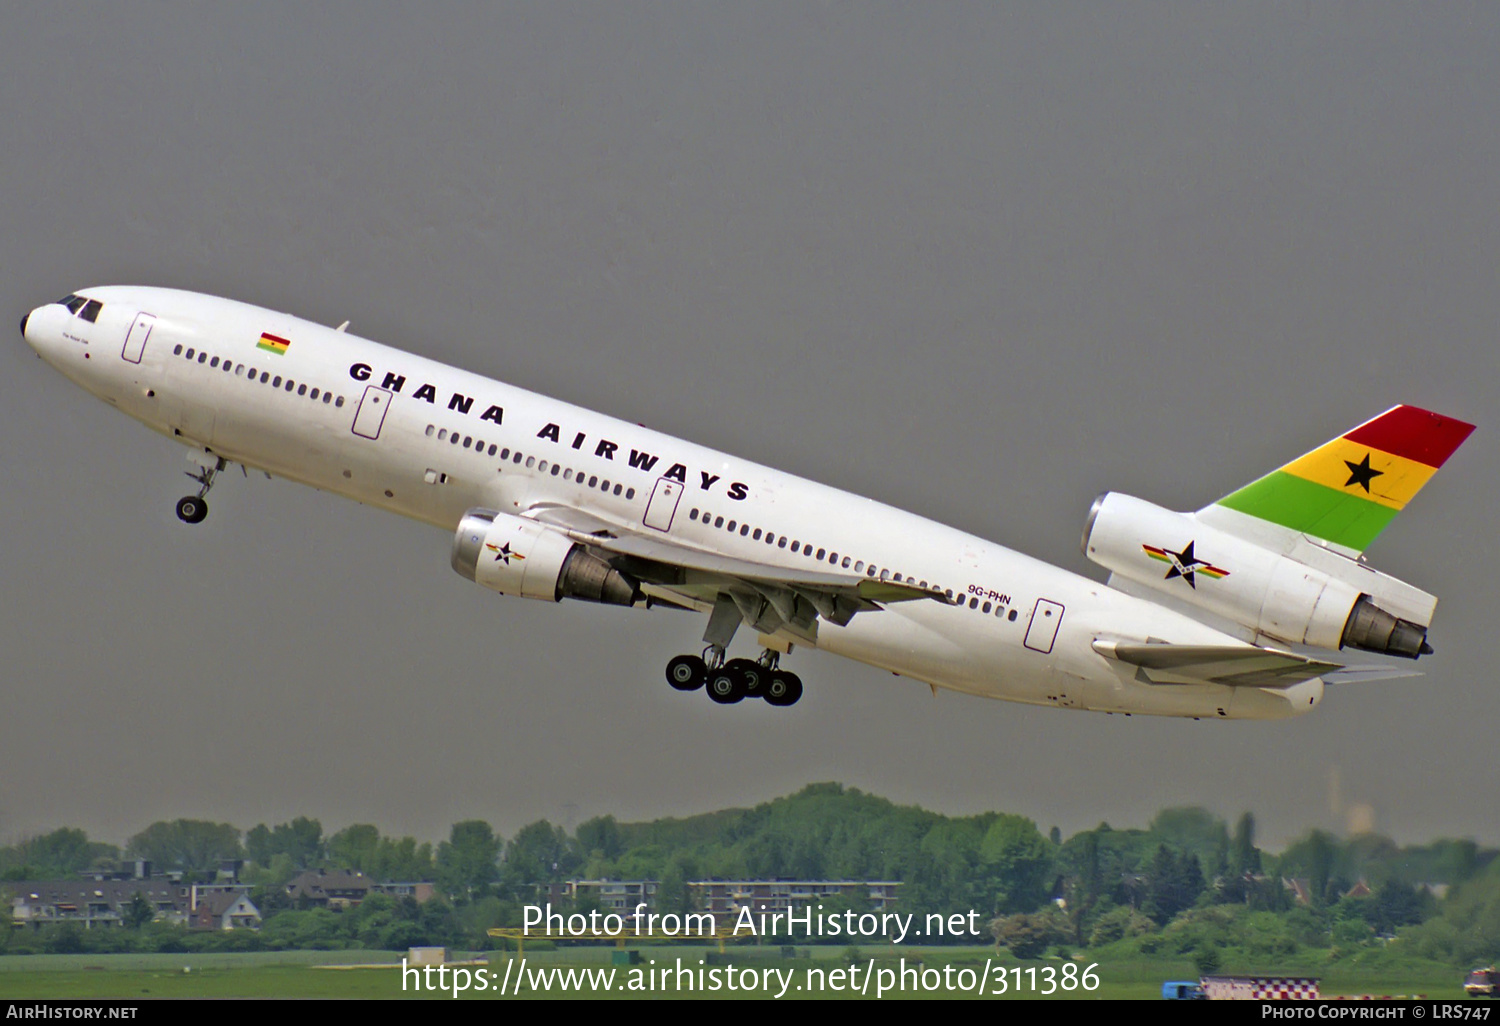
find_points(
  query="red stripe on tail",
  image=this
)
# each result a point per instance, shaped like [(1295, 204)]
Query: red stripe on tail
[(1414, 434)]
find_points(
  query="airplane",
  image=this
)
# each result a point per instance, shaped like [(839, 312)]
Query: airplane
[(1239, 610)]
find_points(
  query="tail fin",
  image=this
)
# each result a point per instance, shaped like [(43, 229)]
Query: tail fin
[(1347, 491)]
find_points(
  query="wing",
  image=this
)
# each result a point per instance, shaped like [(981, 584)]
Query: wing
[(771, 599), (1234, 665)]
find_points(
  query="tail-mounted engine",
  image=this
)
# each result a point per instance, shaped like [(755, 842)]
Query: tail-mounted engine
[(1321, 599), (515, 556)]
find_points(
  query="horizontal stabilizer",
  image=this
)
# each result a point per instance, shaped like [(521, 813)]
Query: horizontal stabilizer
[(1234, 665), (1365, 674)]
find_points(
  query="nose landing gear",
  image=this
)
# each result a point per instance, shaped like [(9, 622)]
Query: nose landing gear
[(191, 509)]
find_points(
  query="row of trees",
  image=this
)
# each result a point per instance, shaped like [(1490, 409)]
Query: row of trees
[(1112, 884)]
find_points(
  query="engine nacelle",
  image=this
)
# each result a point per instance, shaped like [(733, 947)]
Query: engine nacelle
[(516, 556), (1274, 594)]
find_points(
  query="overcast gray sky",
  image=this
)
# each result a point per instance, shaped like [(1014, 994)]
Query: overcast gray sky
[(978, 261)]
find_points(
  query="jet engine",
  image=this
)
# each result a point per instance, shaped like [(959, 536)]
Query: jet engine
[(515, 556), (1325, 600)]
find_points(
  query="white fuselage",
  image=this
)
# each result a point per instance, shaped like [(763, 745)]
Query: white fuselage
[(428, 441)]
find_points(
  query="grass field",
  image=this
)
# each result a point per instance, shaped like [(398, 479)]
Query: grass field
[(304, 974)]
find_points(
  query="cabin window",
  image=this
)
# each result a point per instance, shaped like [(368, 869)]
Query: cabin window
[(845, 563), (744, 530), (313, 395), (694, 514), (516, 458), (732, 526), (442, 434), (593, 480), (781, 543), (492, 450), (822, 553), (468, 441), (339, 401), (718, 521), (214, 362), (756, 535), (301, 389), (630, 493), (430, 430), (985, 608), (530, 462), (275, 382), (290, 384), (796, 546), (202, 357), (1012, 616), (177, 349), (329, 395)]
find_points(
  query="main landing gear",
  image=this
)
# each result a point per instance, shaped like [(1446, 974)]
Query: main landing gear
[(191, 509), (737, 679)]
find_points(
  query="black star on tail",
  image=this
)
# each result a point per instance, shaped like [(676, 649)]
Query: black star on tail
[(1361, 473)]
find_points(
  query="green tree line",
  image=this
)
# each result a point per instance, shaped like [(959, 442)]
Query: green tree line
[(1188, 884)]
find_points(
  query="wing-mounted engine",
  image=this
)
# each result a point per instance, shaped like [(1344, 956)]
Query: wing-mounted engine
[(1311, 596), (516, 556)]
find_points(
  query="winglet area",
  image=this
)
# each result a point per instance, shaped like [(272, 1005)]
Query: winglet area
[(1347, 491)]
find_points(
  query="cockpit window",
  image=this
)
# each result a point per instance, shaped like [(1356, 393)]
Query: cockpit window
[(82, 306)]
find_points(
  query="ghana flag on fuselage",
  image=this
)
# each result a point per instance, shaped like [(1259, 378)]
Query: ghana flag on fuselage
[(272, 343), (1347, 491)]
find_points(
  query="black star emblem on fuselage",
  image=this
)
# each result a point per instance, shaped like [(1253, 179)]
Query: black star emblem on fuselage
[(1361, 473), (503, 554), (1182, 565)]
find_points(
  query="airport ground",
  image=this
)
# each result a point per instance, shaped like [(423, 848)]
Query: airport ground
[(305, 974)]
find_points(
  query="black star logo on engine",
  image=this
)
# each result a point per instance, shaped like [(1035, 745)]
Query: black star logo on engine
[(1183, 564), (1361, 473), (503, 553)]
